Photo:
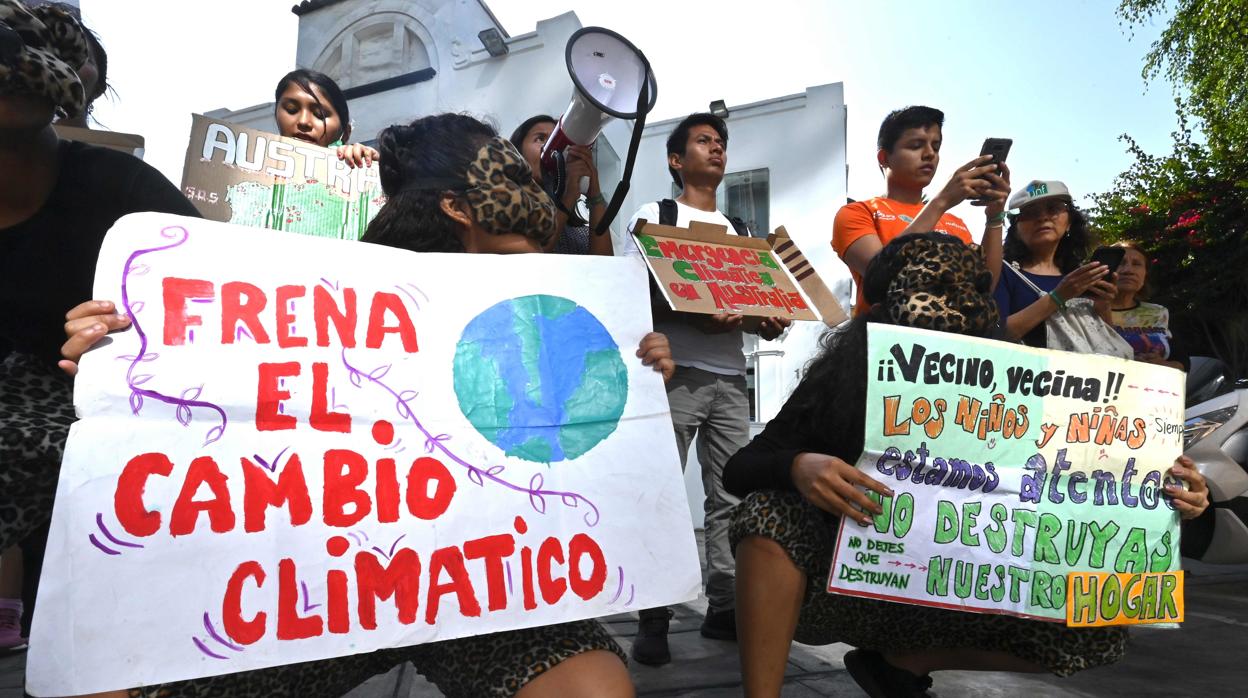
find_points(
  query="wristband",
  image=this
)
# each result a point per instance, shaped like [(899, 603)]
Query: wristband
[(999, 218), (595, 200), (1061, 304)]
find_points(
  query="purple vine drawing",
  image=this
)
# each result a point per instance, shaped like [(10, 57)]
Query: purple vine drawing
[(189, 398), (99, 522), (212, 633), (478, 475)]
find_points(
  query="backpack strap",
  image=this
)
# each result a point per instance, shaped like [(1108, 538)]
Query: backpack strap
[(667, 212)]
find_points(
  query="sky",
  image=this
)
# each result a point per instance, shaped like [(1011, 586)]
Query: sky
[(1061, 78)]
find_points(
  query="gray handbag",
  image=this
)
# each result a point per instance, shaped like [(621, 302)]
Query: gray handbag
[(1077, 327)]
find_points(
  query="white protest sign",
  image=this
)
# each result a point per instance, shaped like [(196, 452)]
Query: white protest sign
[(307, 448)]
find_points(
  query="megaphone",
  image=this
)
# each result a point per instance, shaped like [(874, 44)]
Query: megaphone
[(611, 79)]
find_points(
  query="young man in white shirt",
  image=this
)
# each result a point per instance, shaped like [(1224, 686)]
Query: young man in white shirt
[(707, 394)]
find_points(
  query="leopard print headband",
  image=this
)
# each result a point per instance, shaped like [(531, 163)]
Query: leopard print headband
[(504, 196), (44, 63), (941, 285)]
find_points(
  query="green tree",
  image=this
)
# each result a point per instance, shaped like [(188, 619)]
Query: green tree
[(1189, 209), (1202, 50)]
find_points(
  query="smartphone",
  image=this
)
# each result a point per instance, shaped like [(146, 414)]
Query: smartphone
[(1110, 257), (998, 148)]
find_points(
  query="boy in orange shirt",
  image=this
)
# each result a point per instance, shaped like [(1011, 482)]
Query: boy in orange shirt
[(909, 152)]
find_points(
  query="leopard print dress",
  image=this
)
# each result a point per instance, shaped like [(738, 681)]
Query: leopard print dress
[(485, 666), (805, 532), (36, 409)]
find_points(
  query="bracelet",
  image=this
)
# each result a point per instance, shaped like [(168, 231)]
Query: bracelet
[(998, 219), (1061, 304), (595, 200)]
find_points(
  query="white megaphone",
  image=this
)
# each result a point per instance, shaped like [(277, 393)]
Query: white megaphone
[(611, 79)]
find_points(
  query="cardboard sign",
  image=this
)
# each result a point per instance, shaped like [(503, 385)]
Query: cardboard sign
[(706, 270), (1016, 472), (804, 273), (308, 448), (240, 175), (129, 143)]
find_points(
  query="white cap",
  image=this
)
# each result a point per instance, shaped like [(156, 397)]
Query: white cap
[(1037, 190)]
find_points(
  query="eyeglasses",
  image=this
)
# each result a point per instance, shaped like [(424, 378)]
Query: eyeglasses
[(1043, 209)]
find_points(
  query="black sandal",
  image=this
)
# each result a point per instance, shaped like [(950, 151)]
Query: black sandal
[(880, 679)]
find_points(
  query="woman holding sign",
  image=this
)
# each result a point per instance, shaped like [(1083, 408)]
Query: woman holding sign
[(443, 176), (309, 106), (797, 480)]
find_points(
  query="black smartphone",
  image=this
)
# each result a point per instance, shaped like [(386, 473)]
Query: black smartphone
[(1110, 257), (998, 148)]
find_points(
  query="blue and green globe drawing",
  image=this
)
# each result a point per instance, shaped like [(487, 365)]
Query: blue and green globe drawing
[(541, 378)]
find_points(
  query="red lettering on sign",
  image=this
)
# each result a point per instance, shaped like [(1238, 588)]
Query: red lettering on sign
[(128, 497), (176, 292), (186, 509)]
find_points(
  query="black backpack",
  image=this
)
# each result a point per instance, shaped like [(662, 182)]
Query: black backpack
[(667, 216)]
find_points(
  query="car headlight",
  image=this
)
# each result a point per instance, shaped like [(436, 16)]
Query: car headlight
[(1200, 426)]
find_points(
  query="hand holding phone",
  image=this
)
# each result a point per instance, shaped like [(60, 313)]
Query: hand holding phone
[(1111, 257), (998, 148)]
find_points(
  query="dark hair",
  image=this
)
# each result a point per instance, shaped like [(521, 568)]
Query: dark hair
[(522, 131), (899, 121), (1072, 249), (418, 163), (305, 79), (678, 141)]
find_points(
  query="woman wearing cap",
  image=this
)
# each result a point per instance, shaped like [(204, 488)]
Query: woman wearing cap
[(796, 480), (52, 220), (1046, 242), (1145, 326), (575, 235)]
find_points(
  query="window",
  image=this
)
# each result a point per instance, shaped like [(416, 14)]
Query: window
[(745, 195)]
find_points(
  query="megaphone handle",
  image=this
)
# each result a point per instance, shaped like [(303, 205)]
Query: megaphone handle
[(621, 190)]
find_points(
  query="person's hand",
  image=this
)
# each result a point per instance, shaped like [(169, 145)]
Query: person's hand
[(357, 155), (833, 485), (1082, 279), (994, 201), (1193, 501), (85, 325), (772, 327), (655, 351), (579, 163), (719, 324), (968, 182)]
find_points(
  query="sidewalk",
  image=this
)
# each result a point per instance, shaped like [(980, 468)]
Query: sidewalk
[(1205, 658)]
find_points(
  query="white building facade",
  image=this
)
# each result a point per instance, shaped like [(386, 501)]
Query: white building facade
[(400, 59)]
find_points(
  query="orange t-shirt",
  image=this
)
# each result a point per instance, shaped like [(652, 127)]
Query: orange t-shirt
[(884, 218)]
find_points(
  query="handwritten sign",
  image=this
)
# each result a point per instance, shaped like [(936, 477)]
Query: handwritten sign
[(319, 448), (1026, 482), (706, 270), (240, 175)]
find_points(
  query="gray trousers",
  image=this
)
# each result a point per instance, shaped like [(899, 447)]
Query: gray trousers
[(716, 409)]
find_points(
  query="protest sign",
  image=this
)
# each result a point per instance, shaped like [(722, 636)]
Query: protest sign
[(235, 174), (307, 448), (128, 143), (784, 247), (705, 270), (1020, 477)]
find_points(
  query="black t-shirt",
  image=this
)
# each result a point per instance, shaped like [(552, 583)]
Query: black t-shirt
[(47, 263)]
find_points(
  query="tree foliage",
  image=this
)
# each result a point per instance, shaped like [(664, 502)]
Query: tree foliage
[(1189, 209)]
